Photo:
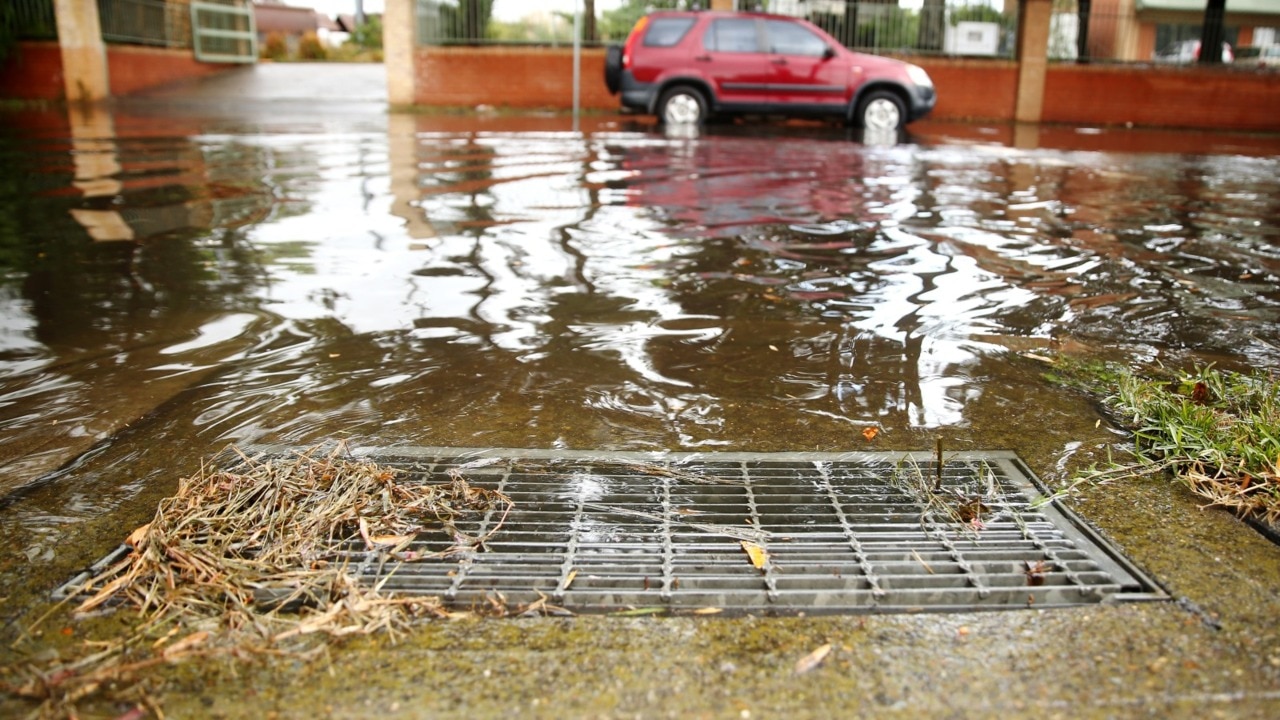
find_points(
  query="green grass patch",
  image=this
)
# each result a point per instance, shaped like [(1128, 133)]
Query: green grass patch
[(1217, 431)]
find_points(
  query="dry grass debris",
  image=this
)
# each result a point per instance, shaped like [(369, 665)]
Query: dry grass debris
[(259, 559)]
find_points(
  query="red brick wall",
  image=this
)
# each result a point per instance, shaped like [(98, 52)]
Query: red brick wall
[(1186, 97), (1145, 95), (34, 71), (542, 77), (972, 89), (135, 68), (509, 77)]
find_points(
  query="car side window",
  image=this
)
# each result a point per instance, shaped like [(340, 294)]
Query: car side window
[(787, 38), (667, 32), (735, 35)]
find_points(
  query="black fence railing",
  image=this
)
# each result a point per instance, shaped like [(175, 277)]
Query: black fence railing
[(32, 19), (135, 22), (977, 27), (1080, 30)]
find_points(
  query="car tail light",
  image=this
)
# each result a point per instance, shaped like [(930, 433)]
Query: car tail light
[(634, 37)]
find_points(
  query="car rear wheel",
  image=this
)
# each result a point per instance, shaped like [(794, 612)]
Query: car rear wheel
[(881, 110), (682, 105), (613, 68)]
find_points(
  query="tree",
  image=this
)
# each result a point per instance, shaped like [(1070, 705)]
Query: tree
[(368, 34), (933, 23), (589, 21), (1211, 35), (1083, 8), (616, 23), (474, 20)]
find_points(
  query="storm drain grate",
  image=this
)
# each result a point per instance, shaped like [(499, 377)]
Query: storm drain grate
[(834, 532), (769, 533)]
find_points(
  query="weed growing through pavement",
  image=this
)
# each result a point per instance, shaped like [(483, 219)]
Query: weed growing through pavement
[(1216, 431)]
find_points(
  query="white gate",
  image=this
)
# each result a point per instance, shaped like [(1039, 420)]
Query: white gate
[(223, 33)]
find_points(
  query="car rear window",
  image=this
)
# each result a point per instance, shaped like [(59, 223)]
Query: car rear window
[(666, 32), (732, 35)]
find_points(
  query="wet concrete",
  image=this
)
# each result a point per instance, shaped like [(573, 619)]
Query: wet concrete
[(241, 270)]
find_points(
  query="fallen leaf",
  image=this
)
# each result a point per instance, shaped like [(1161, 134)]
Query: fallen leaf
[(708, 611), (569, 580), (813, 659), (759, 556), (390, 539), (137, 536), (1200, 394), (870, 433)]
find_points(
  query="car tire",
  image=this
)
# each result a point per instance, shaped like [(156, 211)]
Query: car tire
[(613, 68), (881, 110), (682, 105)]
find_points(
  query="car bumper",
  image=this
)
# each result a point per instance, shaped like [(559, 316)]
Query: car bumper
[(637, 95), (922, 101)]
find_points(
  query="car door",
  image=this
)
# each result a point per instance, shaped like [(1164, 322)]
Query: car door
[(732, 58), (804, 68)]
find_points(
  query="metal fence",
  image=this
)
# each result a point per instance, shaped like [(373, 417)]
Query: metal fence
[(1080, 31), (133, 22), (143, 22), (32, 19), (976, 27)]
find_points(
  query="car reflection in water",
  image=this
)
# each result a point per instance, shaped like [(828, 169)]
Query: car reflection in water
[(796, 246)]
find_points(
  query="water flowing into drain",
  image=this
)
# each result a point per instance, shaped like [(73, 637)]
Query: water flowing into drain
[(774, 533), (830, 532)]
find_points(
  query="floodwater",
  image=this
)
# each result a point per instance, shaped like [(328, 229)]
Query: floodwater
[(175, 282)]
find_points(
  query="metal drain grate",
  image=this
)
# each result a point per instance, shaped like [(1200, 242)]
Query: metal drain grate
[(840, 533), (603, 531)]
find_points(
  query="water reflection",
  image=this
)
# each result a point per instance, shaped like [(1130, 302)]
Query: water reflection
[(449, 282)]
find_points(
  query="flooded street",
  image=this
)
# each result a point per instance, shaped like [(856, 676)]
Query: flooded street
[(511, 283), (179, 280)]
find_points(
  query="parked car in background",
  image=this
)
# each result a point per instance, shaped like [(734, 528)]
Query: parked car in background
[(1188, 51), (1261, 55), (686, 66)]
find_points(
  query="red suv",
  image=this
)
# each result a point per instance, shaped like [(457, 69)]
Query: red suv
[(683, 66)]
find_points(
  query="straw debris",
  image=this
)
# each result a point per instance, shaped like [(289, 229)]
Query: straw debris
[(256, 560)]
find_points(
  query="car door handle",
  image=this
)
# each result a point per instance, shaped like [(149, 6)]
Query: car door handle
[(779, 61), (702, 58)]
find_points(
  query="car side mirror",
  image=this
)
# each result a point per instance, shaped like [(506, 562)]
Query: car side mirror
[(829, 53)]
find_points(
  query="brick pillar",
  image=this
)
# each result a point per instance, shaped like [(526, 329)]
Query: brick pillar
[(721, 5), (84, 56), (1033, 52), (399, 32)]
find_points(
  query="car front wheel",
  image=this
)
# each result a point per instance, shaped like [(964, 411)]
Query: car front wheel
[(682, 105), (881, 110)]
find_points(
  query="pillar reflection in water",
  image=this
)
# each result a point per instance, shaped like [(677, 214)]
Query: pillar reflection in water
[(97, 169)]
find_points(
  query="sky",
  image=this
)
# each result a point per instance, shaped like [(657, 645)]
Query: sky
[(504, 10)]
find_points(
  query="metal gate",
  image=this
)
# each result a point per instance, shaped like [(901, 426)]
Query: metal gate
[(223, 33)]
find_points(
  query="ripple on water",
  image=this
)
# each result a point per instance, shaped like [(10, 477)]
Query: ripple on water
[(600, 289)]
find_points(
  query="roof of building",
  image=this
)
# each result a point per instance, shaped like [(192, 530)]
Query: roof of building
[(284, 19)]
